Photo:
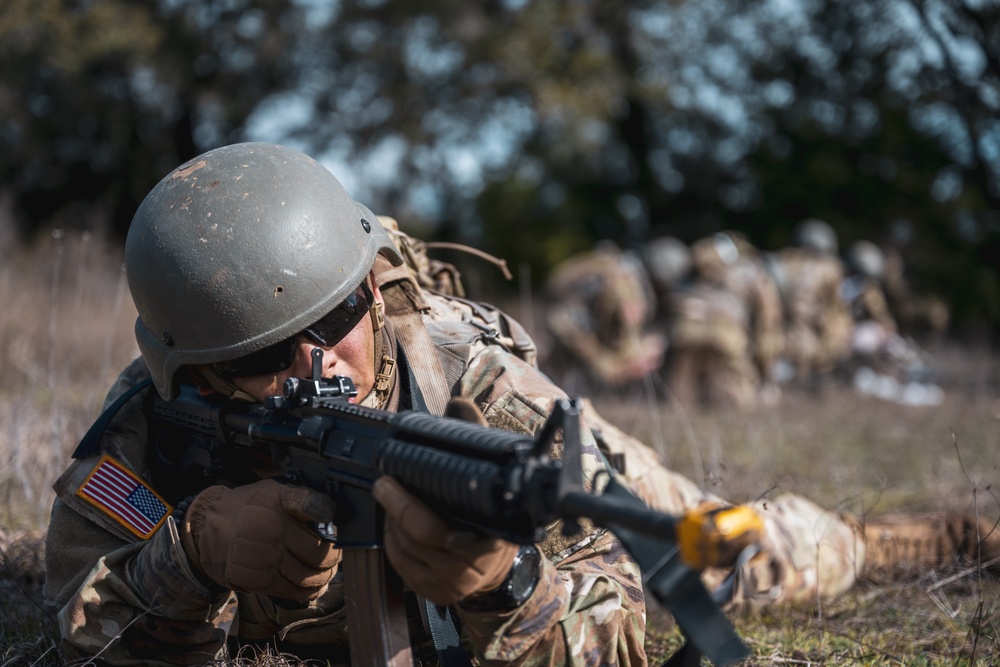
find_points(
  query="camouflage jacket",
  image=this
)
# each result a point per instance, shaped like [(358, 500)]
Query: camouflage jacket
[(809, 283), (817, 318), (734, 308), (133, 597)]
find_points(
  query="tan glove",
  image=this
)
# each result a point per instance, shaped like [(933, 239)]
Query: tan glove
[(441, 563), (254, 539)]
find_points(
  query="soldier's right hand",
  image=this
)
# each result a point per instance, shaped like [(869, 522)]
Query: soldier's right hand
[(255, 539)]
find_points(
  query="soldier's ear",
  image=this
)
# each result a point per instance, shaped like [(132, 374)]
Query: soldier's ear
[(204, 386), (376, 291)]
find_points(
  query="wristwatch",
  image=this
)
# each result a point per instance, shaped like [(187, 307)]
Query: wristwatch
[(515, 589)]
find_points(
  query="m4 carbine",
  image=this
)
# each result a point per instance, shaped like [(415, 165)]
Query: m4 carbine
[(484, 479)]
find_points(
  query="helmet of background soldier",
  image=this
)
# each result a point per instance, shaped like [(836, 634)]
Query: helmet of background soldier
[(240, 248), (865, 258), (667, 260), (816, 235), (712, 255)]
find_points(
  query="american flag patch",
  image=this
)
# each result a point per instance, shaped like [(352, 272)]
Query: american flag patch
[(116, 491)]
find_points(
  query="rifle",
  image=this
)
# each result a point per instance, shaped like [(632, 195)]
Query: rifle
[(487, 480)]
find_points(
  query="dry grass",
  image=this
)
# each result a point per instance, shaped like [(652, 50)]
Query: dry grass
[(65, 332), (67, 329)]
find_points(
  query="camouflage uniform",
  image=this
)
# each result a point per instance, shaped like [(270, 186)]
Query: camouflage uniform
[(725, 326), (138, 598), (598, 309), (817, 320)]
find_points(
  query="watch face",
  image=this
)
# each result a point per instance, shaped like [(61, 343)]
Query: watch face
[(524, 574), (515, 589)]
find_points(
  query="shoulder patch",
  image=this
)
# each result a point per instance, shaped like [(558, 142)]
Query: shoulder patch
[(119, 493)]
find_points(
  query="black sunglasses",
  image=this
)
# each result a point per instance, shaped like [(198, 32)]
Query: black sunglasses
[(327, 331)]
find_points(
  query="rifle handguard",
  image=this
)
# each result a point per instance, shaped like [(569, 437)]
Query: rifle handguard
[(714, 535)]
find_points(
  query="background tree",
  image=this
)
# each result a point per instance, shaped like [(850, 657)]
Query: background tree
[(534, 128), (101, 98)]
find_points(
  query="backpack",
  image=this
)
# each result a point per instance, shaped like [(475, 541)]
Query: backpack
[(426, 287)]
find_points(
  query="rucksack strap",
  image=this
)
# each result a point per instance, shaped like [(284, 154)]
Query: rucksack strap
[(89, 445), (404, 305)]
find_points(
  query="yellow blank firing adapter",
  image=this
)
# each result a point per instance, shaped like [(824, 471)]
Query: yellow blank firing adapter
[(714, 534)]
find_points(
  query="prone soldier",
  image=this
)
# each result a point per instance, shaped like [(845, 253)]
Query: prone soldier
[(241, 262)]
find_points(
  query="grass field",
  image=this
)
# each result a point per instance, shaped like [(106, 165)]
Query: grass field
[(66, 329)]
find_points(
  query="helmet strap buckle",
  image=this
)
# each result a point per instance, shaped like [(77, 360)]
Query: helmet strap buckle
[(384, 378), (378, 316)]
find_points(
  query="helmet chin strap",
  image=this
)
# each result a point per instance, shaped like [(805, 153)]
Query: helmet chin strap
[(384, 365), (224, 386)]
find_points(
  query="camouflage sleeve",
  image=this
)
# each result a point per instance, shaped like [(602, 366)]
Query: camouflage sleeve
[(588, 607), (137, 604), (130, 600)]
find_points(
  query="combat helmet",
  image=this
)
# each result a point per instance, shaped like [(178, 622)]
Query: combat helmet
[(816, 235), (240, 248), (668, 260), (866, 258)]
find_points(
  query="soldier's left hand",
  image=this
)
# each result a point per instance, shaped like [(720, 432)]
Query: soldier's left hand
[(441, 563)]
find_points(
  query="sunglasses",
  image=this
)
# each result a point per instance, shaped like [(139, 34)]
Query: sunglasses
[(327, 331)]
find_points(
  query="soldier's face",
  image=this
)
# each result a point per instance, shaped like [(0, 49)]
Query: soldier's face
[(353, 356)]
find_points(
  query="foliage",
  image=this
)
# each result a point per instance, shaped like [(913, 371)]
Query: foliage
[(100, 99), (532, 128)]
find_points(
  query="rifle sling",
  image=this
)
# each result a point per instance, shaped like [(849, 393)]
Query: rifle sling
[(681, 590), (441, 621), (444, 631), (90, 444), (404, 306)]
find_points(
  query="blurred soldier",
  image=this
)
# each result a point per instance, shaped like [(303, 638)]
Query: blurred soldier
[(668, 262), (599, 307), (862, 289), (817, 320), (725, 330), (883, 363)]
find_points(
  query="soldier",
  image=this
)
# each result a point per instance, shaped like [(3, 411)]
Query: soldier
[(725, 326), (817, 320), (240, 263), (862, 288), (883, 362), (599, 306), (243, 261)]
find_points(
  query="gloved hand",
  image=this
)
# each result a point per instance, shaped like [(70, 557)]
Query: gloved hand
[(254, 539), (441, 563)]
